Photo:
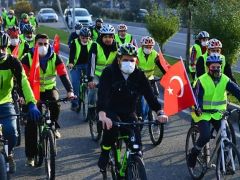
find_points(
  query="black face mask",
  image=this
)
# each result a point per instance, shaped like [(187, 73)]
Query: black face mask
[(215, 73), (98, 27)]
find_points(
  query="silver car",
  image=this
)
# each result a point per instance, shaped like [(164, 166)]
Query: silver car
[(47, 15)]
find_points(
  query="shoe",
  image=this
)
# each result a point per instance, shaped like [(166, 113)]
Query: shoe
[(57, 134), (30, 162), (12, 164)]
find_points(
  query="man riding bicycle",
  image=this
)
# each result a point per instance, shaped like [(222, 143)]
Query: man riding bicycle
[(210, 91), (122, 37), (28, 35), (120, 86)]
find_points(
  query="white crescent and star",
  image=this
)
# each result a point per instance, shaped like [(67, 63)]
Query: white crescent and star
[(170, 90)]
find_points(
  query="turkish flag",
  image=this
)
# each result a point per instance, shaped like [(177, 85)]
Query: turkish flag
[(178, 94), (163, 62), (34, 75), (56, 44), (15, 52)]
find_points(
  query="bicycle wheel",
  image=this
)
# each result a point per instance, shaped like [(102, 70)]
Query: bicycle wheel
[(3, 169), (50, 154), (84, 101), (17, 110), (155, 130), (112, 166), (136, 169), (38, 159), (199, 170), (232, 133), (228, 159), (94, 124)]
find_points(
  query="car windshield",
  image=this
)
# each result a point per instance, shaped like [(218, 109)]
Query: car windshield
[(81, 13), (48, 11)]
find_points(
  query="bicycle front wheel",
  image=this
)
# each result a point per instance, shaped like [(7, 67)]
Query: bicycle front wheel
[(3, 169), (50, 153), (136, 169), (84, 101), (94, 125), (228, 162)]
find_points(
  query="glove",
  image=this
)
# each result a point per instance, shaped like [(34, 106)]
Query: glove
[(34, 113), (198, 112)]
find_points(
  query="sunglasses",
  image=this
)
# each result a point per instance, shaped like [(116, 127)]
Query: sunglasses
[(42, 44), (128, 60)]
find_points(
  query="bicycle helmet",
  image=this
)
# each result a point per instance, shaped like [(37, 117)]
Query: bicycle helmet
[(78, 26), (4, 40), (122, 27), (24, 16), (107, 29), (203, 34), (11, 11), (85, 32), (213, 59), (100, 20), (31, 13), (13, 31), (147, 41), (28, 28), (127, 49), (214, 43)]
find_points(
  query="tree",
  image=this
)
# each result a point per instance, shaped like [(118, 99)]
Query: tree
[(162, 25), (22, 6), (222, 21)]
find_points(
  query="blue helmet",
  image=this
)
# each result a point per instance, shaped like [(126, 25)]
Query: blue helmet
[(214, 59)]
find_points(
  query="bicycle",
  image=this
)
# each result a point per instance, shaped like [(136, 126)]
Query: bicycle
[(156, 131), (46, 142), (224, 149), (130, 165)]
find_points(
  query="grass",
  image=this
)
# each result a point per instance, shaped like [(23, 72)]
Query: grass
[(51, 32)]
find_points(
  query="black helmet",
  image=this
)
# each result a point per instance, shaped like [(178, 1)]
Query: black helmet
[(78, 26), (85, 32), (4, 40), (127, 49), (28, 28), (99, 20)]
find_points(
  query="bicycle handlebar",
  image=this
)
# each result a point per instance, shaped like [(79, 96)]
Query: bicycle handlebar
[(66, 99), (118, 124)]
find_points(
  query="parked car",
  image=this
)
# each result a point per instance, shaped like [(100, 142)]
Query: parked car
[(47, 15), (141, 14), (81, 15)]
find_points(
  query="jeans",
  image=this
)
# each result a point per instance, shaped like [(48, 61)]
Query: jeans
[(92, 94), (76, 73), (145, 108), (9, 125)]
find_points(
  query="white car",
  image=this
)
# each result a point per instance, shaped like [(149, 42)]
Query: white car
[(81, 15), (47, 15)]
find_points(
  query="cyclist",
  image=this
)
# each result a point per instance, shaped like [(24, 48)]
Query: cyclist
[(78, 58), (50, 66), (122, 37), (95, 30), (10, 20), (33, 20), (147, 61), (210, 91), (197, 50), (214, 47), (75, 34), (24, 20), (28, 35), (15, 42), (4, 13), (11, 68), (120, 86), (102, 53)]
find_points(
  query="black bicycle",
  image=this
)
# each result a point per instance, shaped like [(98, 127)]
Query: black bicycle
[(83, 95)]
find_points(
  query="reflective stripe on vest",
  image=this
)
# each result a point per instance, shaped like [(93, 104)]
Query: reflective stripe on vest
[(198, 54), (47, 79), (128, 39), (205, 62), (214, 98), (147, 65), (102, 61), (10, 22)]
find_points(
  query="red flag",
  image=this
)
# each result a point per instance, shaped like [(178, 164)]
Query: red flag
[(56, 44), (163, 62), (15, 51), (34, 76), (178, 94)]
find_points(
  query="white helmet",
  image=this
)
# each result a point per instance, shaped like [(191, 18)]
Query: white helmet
[(107, 29), (122, 27), (214, 43), (147, 41)]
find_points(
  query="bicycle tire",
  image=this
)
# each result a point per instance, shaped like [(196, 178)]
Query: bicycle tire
[(112, 164), (38, 159), (84, 102), (200, 167), (229, 171), (50, 154), (94, 125), (136, 163), (3, 169), (156, 140), (17, 110), (232, 132)]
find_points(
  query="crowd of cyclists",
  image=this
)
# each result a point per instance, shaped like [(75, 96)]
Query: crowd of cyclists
[(119, 74)]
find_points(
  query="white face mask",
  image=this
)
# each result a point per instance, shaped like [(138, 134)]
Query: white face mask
[(42, 50), (77, 32), (14, 42), (28, 39), (84, 43), (204, 43), (215, 54), (127, 67), (10, 16), (147, 51)]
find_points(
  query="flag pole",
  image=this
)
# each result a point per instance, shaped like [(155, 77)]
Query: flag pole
[(195, 101)]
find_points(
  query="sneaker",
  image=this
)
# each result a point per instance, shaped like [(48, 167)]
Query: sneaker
[(12, 164), (30, 162), (57, 134)]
